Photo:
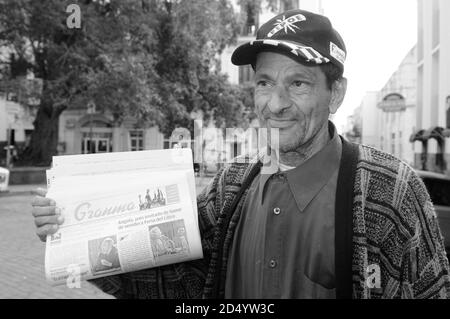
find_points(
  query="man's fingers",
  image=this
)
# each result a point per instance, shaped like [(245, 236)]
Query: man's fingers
[(46, 216), (50, 220), (42, 201), (46, 230), (44, 211), (40, 192)]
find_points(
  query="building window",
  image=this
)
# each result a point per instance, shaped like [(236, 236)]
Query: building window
[(236, 149), (137, 140), (436, 23), (96, 142), (166, 144)]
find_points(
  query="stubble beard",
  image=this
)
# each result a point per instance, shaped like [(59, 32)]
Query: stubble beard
[(297, 152)]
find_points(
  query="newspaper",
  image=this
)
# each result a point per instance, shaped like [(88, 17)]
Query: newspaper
[(123, 212)]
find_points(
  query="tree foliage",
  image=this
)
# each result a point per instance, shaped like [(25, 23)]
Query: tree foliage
[(155, 60)]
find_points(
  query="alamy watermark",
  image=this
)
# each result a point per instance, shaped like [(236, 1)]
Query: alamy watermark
[(373, 279), (73, 21), (228, 145), (74, 278)]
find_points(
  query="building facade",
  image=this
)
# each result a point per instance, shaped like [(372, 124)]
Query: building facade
[(370, 134), (16, 119), (396, 105), (353, 127), (16, 126), (84, 131), (431, 139), (388, 116)]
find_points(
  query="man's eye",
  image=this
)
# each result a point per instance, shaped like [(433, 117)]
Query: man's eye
[(297, 83), (262, 83)]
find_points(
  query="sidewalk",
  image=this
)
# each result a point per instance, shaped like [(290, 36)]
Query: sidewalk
[(15, 190)]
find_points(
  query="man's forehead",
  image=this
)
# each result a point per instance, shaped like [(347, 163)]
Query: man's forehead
[(267, 61)]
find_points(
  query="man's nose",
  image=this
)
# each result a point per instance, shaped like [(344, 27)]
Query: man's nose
[(279, 100)]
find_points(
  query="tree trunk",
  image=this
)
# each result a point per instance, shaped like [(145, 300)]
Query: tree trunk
[(44, 139)]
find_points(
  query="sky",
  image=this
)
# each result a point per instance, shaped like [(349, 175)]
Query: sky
[(378, 35)]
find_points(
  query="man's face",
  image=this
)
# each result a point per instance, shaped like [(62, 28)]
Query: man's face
[(106, 246), (291, 97), (155, 233)]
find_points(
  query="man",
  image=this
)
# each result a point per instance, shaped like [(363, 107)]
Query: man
[(148, 199), (180, 240), (156, 240), (332, 220), (108, 258)]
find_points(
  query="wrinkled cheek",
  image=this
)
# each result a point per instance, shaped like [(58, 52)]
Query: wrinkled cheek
[(260, 105), (302, 122)]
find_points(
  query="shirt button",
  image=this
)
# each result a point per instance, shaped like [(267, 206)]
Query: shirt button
[(272, 263), (277, 211)]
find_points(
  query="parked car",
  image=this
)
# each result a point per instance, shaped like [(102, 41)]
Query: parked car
[(438, 186)]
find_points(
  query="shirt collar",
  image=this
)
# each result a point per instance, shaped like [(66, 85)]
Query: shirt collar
[(306, 180)]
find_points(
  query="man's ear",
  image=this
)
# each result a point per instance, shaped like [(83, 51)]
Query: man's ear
[(337, 95)]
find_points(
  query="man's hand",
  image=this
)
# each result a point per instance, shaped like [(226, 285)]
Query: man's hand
[(106, 263), (46, 217)]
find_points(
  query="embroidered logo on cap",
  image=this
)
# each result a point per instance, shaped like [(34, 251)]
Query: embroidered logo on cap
[(337, 52), (286, 24)]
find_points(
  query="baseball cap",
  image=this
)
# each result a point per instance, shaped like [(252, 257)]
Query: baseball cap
[(305, 36)]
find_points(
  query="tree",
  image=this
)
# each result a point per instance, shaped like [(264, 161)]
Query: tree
[(67, 60), (155, 60), (255, 6)]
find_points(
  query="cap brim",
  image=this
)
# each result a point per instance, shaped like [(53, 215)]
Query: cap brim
[(247, 52)]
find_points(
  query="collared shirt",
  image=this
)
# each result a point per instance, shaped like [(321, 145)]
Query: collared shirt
[(284, 241)]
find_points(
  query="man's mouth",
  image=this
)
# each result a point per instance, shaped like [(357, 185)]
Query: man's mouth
[(281, 124)]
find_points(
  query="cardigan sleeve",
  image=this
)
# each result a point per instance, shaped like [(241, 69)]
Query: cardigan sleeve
[(425, 267), (182, 280)]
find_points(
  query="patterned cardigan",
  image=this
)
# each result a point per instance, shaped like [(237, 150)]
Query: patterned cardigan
[(386, 225)]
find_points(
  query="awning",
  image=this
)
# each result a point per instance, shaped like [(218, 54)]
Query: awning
[(436, 132), (418, 136)]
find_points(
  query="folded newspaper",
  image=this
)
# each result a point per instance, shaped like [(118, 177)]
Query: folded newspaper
[(123, 212)]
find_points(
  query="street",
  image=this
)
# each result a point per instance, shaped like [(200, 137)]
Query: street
[(22, 254)]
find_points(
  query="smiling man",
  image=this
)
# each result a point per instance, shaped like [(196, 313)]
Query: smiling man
[(330, 219), (296, 100)]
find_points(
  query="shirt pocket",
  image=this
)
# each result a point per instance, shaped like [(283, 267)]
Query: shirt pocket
[(320, 274), (311, 289)]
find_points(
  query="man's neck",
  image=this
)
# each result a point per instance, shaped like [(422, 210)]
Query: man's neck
[(304, 152)]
